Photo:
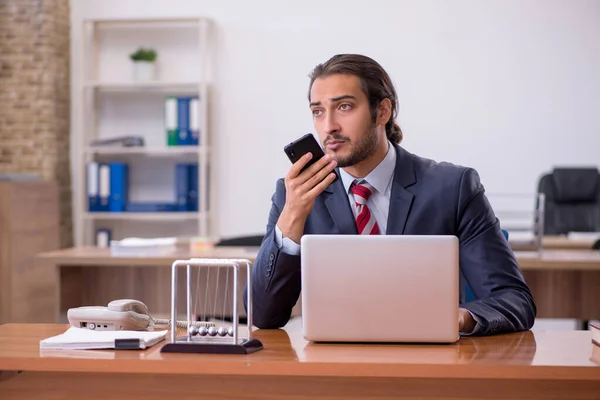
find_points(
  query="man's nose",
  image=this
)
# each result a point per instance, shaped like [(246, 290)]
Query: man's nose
[(331, 125)]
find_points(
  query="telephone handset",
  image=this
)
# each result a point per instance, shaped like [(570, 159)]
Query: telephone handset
[(124, 314), (128, 305)]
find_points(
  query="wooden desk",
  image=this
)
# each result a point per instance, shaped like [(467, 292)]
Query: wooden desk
[(526, 365), (564, 243), (564, 282), (553, 242), (91, 276), (559, 260)]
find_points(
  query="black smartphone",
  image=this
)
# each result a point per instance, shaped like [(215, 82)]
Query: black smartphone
[(303, 145)]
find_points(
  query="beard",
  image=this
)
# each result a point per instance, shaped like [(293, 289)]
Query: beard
[(359, 151)]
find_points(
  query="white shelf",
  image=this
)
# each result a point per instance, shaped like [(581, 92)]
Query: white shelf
[(143, 216), (151, 23), (108, 102), (151, 85), (151, 151)]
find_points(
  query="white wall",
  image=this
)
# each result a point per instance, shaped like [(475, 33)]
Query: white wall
[(508, 87)]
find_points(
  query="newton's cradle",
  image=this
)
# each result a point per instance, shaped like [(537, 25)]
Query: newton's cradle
[(205, 337)]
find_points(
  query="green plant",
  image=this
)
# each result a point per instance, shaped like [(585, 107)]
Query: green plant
[(143, 54)]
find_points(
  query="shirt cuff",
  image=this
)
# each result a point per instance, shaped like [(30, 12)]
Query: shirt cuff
[(286, 245), (478, 325)]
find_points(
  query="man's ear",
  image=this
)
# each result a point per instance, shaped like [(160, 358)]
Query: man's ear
[(384, 111)]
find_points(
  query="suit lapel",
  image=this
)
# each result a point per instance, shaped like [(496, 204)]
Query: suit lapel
[(401, 199), (339, 208)]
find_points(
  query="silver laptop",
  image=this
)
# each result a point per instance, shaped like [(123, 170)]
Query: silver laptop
[(380, 288)]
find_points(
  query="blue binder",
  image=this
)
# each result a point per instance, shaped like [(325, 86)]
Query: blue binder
[(119, 185), (183, 121), (181, 186), (104, 187), (93, 186), (194, 136), (192, 197)]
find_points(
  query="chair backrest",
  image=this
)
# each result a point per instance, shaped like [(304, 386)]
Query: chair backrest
[(252, 240), (572, 201)]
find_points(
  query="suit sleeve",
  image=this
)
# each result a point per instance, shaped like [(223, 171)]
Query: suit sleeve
[(504, 302), (276, 279)]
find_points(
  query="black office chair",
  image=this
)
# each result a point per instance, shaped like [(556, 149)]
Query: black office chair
[(572, 201), (248, 241)]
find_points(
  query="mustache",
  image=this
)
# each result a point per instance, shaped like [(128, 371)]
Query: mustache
[(335, 136)]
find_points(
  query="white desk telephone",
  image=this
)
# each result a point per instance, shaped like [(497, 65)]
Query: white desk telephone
[(125, 314)]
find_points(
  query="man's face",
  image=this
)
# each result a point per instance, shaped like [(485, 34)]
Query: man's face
[(343, 119)]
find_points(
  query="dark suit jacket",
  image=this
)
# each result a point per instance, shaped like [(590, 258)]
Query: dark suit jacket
[(427, 198)]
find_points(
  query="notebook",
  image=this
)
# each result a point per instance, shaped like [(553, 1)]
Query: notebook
[(83, 339)]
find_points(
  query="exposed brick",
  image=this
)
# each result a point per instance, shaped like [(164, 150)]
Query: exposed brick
[(35, 95)]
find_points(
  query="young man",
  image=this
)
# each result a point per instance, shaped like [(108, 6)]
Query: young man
[(383, 189)]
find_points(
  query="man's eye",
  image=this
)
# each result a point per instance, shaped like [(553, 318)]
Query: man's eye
[(345, 107), (316, 113)]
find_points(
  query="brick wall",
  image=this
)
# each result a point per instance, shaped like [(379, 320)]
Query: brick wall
[(34, 95)]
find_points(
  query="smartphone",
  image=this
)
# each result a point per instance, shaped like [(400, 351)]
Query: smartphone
[(303, 145)]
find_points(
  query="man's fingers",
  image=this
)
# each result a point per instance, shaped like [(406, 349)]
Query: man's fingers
[(310, 171), (295, 169), (319, 176), (318, 166), (314, 192)]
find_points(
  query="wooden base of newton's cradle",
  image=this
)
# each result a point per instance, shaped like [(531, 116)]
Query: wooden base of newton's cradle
[(196, 346)]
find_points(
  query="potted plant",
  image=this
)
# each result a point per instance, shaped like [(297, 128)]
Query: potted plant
[(144, 64)]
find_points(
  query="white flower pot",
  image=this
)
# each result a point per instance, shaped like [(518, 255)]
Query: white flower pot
[(144, 71)]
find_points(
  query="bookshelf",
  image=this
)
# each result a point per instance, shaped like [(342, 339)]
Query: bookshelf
[(165, 86), (110, 102), (143, 216), (153, 151)]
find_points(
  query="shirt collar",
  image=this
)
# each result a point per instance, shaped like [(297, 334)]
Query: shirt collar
[(380, 178)]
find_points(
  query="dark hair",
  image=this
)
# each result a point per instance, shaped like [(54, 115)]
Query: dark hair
[(375, 82)]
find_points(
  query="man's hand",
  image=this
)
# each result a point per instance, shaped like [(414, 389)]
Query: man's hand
[(301, 191), (466, 323)]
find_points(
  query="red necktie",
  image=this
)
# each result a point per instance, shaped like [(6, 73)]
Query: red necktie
[(365, 221)]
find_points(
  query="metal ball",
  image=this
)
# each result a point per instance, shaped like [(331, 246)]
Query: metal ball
[(203, 331), (212, 331), (222, 331), (193, 330), (230, 331)]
